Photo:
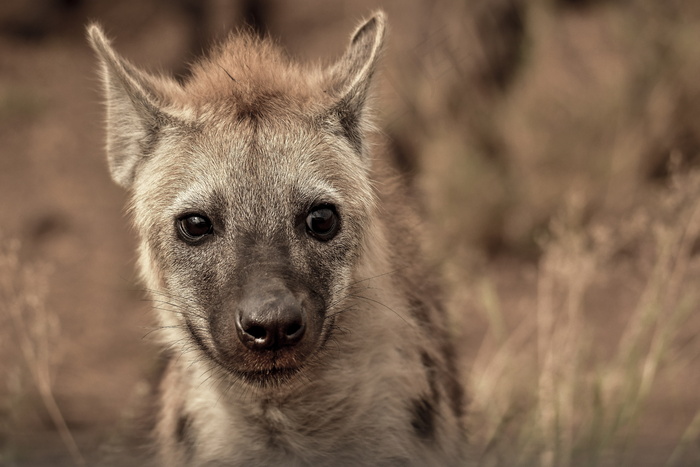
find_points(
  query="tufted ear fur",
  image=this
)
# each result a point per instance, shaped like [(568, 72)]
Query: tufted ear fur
[(135, 114), (351, 76)]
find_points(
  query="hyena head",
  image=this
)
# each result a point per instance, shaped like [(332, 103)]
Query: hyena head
[(250, 193)]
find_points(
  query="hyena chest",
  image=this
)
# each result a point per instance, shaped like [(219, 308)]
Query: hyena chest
[(273, 434)]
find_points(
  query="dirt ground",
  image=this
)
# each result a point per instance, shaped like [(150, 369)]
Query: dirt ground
[(71, 222)]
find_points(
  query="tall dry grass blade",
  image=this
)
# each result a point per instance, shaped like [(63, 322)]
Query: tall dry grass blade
[(690, 436), (24, 289), (588, 406)]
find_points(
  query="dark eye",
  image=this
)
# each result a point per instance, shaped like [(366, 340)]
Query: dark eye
[(322, 222), (193, 227)]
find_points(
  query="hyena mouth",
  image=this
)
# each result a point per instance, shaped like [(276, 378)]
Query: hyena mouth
[(270, 377), (266, 369)]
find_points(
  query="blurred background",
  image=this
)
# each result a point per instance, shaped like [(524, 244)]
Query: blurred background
[(551, 143)]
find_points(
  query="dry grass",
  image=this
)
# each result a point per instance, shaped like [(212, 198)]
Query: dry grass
[(561, 401), (29, 334)]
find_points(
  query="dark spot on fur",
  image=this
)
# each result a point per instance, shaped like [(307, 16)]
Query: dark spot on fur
[(184, 434), (423, 419), (452, 388), (419, 308), (182, 429), (198, 340), (350, 123), (260, 106), (250, 112), (431, 372)]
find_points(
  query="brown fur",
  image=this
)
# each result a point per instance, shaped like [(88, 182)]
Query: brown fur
[(255, 143)]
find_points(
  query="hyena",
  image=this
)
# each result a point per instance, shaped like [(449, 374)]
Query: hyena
[(299, 325)]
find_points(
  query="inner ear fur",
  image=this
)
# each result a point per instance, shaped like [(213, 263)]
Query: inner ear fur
[(351, 76), (135, 102)]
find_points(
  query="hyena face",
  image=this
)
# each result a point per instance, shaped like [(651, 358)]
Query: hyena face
[(261, 252), (251, 196)]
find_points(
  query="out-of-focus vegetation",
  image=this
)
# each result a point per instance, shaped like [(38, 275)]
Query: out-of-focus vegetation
[(543, 135), (551, 142), (508, 105), (563, 387)]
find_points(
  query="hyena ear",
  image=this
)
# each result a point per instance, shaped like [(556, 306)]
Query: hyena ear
[(351, 76), (134, 109)]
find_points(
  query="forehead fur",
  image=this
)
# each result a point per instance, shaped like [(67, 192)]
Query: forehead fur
[(251, 77)]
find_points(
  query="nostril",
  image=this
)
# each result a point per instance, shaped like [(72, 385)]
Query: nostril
[(292, 333), (292, 329), (257, 332)]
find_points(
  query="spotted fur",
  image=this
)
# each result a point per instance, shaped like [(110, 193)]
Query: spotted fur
[(253, 141)]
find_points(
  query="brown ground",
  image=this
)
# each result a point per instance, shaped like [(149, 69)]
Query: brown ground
[(496, 111)]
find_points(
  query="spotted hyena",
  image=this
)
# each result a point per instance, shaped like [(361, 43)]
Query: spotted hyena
[(299, 324)]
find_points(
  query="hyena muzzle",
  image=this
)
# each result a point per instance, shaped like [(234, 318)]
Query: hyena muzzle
[(299, 324)]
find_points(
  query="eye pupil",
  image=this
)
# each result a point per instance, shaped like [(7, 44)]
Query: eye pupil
[(193, 227), (322, 222)]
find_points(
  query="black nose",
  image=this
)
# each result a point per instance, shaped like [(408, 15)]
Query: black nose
[(270, 320)]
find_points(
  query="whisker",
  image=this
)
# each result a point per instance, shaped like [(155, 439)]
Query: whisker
[(382, 304), (159, 328), (393, 271)]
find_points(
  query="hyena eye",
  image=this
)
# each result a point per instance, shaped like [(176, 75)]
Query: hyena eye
[(322, 222), (193, 227)]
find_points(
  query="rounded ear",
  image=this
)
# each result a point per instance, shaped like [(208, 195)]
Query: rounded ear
[(351, 76), (135, 113)]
